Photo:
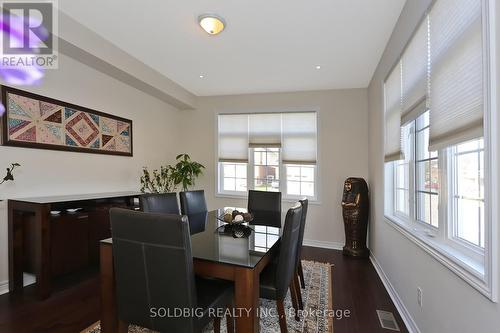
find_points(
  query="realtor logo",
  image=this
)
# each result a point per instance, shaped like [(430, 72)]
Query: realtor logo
[(31, 40)]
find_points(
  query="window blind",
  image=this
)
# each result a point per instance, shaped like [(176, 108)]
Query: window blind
[(392, 91), (233, 138), (415, 68), (299, 138), (294, 132), (456, 77), (265, 130)]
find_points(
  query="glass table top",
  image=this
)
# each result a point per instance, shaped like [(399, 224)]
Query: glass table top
[(210, 242)]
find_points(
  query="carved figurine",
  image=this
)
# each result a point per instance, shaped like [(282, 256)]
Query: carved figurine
[(355, 210)]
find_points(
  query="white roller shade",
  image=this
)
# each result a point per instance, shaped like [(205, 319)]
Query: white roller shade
[(233, 138), (265, 130), (456, 81), (299, 138), (392, 91), (415, 67)]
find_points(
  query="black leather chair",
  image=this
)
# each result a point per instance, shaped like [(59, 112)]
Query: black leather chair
[(154, 272), (278, 276), (298, 263), (164, 203), (265, 207), (193, 202)]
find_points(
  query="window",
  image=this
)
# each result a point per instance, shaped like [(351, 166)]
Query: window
[(266, 174), (402, 175), (467, 165), (234, 176), (300, 180), (427, 174), (439, 180), (268, 152)]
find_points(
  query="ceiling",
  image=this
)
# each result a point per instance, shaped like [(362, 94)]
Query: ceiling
[(267, 46)]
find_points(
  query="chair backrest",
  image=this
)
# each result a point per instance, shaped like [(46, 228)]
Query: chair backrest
[(193, 202), (288, 250), (164, 203), (153, 268), (305, 204), (265, 207)]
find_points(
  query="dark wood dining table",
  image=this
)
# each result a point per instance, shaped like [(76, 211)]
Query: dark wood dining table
[(217, 254)]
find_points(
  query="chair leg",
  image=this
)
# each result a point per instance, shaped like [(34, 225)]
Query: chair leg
[(230, 320), (295, 301), (298, 291), (281, 314), (301, 275), (216, 325)]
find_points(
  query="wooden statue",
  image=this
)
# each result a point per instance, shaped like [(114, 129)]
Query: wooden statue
[(355, 210)]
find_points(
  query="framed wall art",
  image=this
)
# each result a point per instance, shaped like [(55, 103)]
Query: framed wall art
[(35, 121)]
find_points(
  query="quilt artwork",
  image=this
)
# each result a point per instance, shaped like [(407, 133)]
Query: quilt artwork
[(38, 122)]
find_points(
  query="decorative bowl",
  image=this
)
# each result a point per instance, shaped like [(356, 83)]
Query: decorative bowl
[(231, 216)]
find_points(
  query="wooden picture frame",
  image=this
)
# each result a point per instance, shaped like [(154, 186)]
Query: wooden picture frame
[(35, 121)]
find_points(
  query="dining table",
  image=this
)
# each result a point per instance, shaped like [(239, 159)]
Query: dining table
[(220, 250)]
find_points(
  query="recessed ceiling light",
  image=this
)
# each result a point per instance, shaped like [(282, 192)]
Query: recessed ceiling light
[(202, 76), (318, 67), (211, 23)]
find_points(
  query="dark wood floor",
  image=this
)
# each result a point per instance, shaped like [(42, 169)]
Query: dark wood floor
[(358, 288), (75, 303)]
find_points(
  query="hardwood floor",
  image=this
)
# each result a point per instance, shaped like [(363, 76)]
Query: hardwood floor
[(74, 304), (358, 288)]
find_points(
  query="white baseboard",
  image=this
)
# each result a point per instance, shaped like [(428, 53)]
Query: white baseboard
[(403, 311), (323, 244), (27, 280)]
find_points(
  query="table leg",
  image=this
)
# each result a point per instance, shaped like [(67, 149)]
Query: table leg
[(246, 285), (109, 315)]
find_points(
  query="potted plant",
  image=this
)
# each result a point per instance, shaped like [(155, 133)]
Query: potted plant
[(166, 180), (186, 171), (161, 181)]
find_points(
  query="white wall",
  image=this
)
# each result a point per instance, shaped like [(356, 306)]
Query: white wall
[(449, 304), (342, 143), (46, 172)]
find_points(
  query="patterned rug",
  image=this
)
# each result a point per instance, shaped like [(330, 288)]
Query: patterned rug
[(317, 298)]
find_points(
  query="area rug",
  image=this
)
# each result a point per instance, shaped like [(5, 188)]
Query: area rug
[(317, 298)]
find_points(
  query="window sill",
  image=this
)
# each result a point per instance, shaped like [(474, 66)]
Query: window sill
[(245, 197), (468, 269)]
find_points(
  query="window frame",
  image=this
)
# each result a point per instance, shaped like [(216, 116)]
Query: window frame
[(219, 192), (294, 197), (472, 250), (438, 241), (250, 166), (449, 253), (220, 180)]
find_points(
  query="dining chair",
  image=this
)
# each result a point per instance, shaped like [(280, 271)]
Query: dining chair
[(164, 203), (298, 262), (277, 277), (193, 202), (154, 275), (265, 207)]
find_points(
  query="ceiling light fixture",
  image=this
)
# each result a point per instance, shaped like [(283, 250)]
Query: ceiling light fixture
[(202, 76), (318, 67), (211, 23)]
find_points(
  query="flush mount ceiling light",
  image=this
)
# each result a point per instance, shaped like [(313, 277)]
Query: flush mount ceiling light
[(211, 23)]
